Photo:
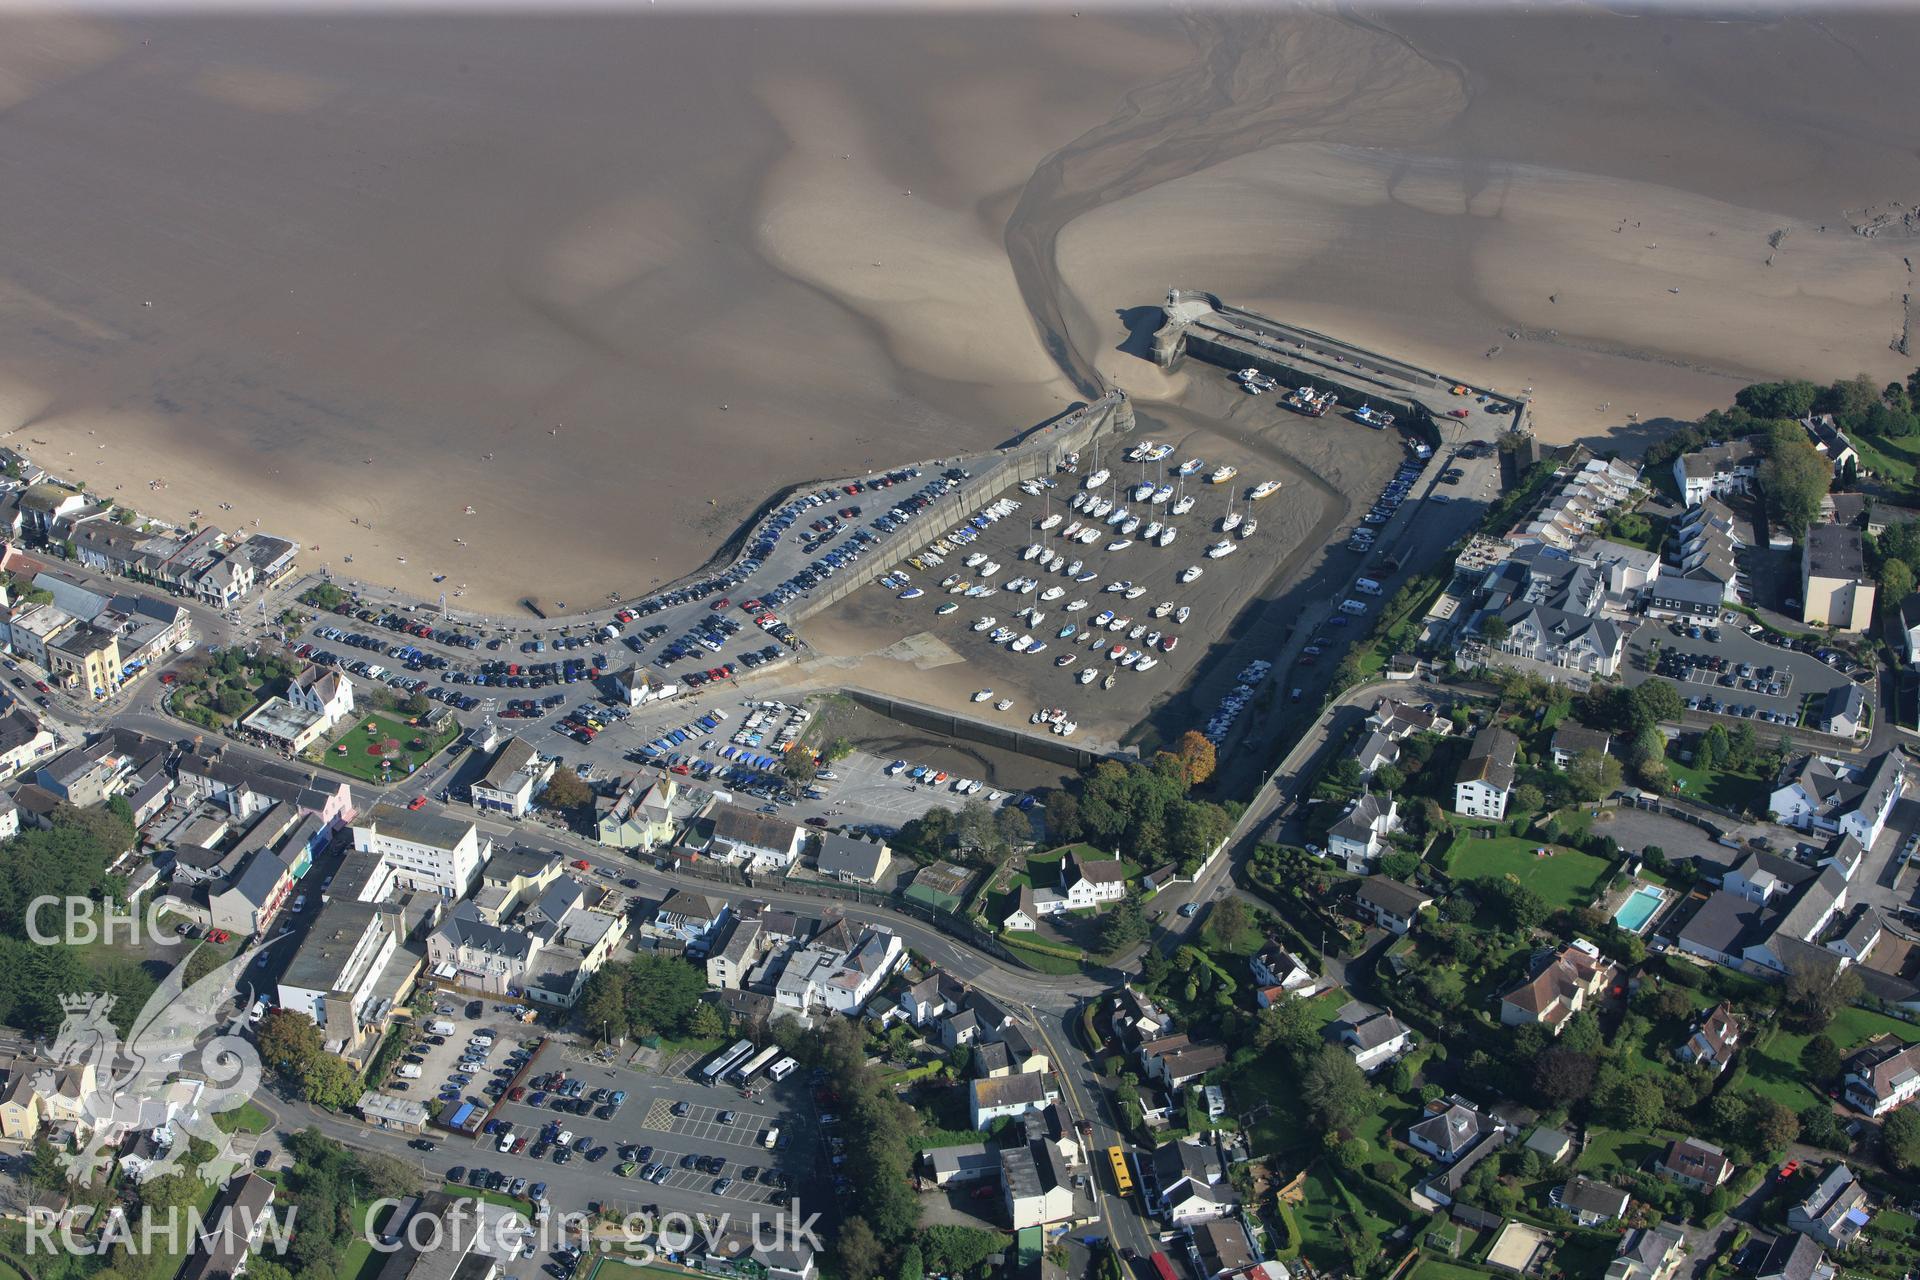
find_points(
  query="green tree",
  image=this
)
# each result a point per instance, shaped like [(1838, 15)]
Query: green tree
[(662, 993), (1896, 583), (1333, 1088), (566, 790), (1794, 479), (1773, 1124), (1820, 1128), (860, 1253), (1713, 747), (1494, 628), (1777, 399), (287, 1042), (1653, 701), (1900, 1139), (1815, 991), (707, 1022), (1563, 1076), (602, 1008), (1063, 817), (1593, 775), (1582, 1034), (1399, 864), (1630, 1101), (798, 767), (1820, 1059), (1124, 925), (1287, 1024), (330, 1082)]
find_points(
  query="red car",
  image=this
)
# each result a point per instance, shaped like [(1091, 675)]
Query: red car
[(516, 1093), (1456, 413), (41, 686), (581, 864), (724, 603), (220, 935), (1788, 1169), (418, 802)]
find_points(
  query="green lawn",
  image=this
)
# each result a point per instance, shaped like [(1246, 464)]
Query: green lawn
[(1565, 877), (1038, 960), (1772, 1066), (413, 746), (1610, 1151), (1738, 792), (1892, 460), (1328, 1207), (162, 1262), (1441, 1269), (246, 1119)]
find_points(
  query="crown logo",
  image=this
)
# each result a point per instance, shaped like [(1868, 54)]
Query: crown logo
[(86, 1002)]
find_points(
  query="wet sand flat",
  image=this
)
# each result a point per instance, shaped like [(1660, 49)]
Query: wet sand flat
[(611, 280)]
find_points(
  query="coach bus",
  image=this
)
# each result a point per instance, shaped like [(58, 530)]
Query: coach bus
[(746, 1071), (716, 1070), (1122, 1177)]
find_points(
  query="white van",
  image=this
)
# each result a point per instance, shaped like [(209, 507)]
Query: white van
[(1353, 607), (770, 1138), (408, 1071), (1367, 586), (440, 1028)]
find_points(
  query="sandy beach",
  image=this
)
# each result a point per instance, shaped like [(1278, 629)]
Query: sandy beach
[(612, 280)]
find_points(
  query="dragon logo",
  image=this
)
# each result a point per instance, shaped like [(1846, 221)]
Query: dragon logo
[(184, 1061)]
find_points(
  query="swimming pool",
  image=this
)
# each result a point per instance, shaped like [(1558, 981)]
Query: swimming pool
[(1639, 908)]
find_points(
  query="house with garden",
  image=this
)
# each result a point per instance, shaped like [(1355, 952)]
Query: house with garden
[(1714, 1038), (1360, 835), (1486, 776), (1563, 984), (1693, 1163), (1374, 1037), (1086, 883)]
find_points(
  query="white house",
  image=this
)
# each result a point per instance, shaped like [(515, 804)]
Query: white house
[(1449, 1128), (339, 969), (1280, 973), (513, 781), (421, 850), (1193, 1181), (1089, 883), (325, 691), (762, 840), (1882, 1077), (1360, 834), (996, 1096), (1391, 904), (1486, 776), (1718, 471), (829, 973), (1038, 1184), (1373, 1036)]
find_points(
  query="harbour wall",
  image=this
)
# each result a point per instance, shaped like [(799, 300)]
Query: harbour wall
[(1200, 325), (949, 724)]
